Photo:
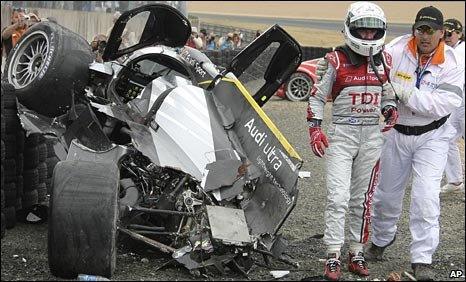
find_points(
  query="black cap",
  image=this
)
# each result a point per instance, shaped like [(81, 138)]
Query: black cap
[(429, 16), (453, 25)]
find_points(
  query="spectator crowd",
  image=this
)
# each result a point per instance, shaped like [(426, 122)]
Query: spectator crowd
[(211, 41)]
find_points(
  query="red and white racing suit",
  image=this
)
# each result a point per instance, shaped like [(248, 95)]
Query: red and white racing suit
[(355, 140)]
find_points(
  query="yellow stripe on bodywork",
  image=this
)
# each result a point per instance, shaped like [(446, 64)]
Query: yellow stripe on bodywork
[(291, 151)]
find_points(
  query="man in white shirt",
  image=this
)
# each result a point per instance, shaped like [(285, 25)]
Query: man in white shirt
[(427, 80), (454, 37)]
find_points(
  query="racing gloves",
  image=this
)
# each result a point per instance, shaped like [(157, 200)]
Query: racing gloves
[(317, 138), (322, 66), (391, 116), (396, 92)]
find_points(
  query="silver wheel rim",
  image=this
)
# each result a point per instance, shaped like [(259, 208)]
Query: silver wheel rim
[(298, 88), (29, 59)]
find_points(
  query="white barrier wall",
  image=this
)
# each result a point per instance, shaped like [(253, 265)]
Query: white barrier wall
[(86, 24)]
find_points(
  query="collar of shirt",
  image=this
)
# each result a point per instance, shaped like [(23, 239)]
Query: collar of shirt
[(457, 43), (438, 57)]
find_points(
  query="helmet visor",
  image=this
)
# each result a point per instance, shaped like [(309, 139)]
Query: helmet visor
[(367, 23)]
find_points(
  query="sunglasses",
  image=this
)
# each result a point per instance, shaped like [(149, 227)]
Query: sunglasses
[(425, 29), (450, 33)]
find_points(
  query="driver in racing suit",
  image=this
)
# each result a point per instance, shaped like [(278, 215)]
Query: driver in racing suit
[(355, 138)]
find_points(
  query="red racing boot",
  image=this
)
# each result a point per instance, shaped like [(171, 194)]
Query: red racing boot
[(332, 267), (357, 264)]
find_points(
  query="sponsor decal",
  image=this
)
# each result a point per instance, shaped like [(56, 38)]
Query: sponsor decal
[(352, 78), (363, 111), (370, 102), (48, 60), (193, 63), (403, 76), (427, 18), (273, 180), (380, 69), (364, 98), (428, 84), (352, 120), (269, 151)]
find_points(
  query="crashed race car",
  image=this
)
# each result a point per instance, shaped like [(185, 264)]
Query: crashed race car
[(158, 144), (299, 86)]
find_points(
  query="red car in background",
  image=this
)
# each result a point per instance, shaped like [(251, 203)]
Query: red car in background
[(299, 86)]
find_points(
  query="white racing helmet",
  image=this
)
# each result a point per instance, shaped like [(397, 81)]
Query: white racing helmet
[(365, 15)]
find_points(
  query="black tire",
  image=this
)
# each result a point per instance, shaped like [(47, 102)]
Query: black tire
[(32, 140), (20, 139), (41, 192), (10, 194), (42, 148), (42, 169), (29, 199), (10, 146), (3, 198), (51, 163), (9, 166), (298, 87), (8, 96), (12, 121), (83, 214), (18, 205), (3, 225), (50, 150), (19, 186), (3, 152), (30, 179), (31, 157), (2, 124), (19, 164), (10, 217), (63, 58), (48, 184)]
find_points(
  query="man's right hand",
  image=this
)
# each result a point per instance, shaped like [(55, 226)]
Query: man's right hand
[(396, 91), (318, 141)]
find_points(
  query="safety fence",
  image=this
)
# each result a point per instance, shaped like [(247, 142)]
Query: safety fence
[(222, 58), (222, 30), (88, 24)]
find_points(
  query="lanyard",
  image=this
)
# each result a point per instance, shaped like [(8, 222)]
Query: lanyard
[(421, 72)]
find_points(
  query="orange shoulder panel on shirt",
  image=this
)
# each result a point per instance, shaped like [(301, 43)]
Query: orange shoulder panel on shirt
[(439, 54)]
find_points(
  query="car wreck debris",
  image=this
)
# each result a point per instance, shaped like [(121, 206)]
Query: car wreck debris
[(162, 147)]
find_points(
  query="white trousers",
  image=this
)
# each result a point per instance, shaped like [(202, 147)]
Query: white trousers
[(454, 168), (424, 157), (353, 151)]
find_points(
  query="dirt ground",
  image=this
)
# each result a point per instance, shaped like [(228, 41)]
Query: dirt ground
[(24, 249), (395, 11)]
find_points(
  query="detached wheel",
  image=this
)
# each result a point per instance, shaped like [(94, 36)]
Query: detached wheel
[(83, 214), (298, 87), (46, 64)]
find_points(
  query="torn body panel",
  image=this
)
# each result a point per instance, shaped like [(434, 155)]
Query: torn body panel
[(203, 173)]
